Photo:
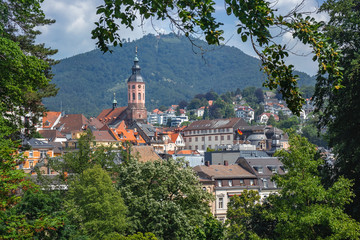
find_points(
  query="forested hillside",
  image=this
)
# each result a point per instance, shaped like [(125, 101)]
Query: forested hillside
[(171, 69)]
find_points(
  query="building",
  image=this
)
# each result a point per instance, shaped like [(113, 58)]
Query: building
[(135, 110), (245, 112), (204, 134), (36, 156), (225, 181), (263, 168)]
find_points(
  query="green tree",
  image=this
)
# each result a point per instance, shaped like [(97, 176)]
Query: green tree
[(303, 209), (341, 112), (211, 229), (271, 121), (292, 122), (163, 197), (95, 205)]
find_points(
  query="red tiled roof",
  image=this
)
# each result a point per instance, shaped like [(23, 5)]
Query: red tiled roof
[(95, 122), (50, 118), (174, 136), (108, 115), (188, 152)]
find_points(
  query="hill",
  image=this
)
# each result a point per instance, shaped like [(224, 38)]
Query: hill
[(170, 67)]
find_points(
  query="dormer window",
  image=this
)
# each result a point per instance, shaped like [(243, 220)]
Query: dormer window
[(273, 169), (219, 183), (259, 169), (230, 183)]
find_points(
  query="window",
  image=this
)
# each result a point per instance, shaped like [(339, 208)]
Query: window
[(251, 182), (230, 183), (259, 169), (190, 139), (31, 154), (209, 146), (133, 96), (196, 147), (219, 183), (222, 137), (133, 86), (216, 138), (203, 139), (203, 147), (190, 147), (209, 138), (228, 137), (31, 164), (221, 203), (139, 96), (265, 183), (241, 181), (196, 139), (42, 153)]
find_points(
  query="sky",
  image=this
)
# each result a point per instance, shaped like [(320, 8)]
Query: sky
[(71, 34)]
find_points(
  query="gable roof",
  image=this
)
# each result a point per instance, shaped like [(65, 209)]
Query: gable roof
[(49, 119), (51, 134), (145, 153), (109, 115), (217, 123), (222, 171), (103, 136), (71, 122)]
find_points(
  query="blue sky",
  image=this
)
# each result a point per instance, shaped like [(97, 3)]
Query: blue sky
[(75, 20)]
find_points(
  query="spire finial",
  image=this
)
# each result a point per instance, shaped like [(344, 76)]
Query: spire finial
[(136, 50), (114, 102)]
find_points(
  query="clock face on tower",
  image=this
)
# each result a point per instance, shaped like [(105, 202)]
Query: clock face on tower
[(139, 86)]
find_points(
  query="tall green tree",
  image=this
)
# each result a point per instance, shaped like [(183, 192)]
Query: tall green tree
[(163, 197), (304, 208), (95, 205), (342, 111)]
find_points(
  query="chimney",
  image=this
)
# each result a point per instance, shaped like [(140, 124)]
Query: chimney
[(226, 163), (207, 163)]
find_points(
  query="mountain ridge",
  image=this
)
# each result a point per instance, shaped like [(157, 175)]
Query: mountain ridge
[(170, 68)]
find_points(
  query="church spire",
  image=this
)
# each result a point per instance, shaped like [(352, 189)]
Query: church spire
[(136, 75), (114, 103)]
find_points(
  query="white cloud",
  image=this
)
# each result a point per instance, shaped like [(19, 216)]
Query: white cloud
[(71, 33)]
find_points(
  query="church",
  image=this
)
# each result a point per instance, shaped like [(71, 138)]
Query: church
[(135, 110)]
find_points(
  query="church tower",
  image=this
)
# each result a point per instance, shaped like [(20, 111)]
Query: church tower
[(136, 94)]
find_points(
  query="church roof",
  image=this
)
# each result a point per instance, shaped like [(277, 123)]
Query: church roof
[(109, 115)]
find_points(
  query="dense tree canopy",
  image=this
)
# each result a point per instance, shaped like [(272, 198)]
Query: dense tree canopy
[(163, 197)]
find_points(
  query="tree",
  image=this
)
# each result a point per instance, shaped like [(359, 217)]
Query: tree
[(211, 229), (95, 205), (256, 18), (342, 109), (163, 197), (259, 95), (304, 207), (183, 104), (271, 121), (24, 65)]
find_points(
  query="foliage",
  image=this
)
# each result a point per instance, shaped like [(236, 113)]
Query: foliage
[(23, 86), (212, 229), (76, 162), (289, 123), (163, 197), (95, 206), (256, 18), (136, 236), (304, 207), (342, 114), (165, 62)]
